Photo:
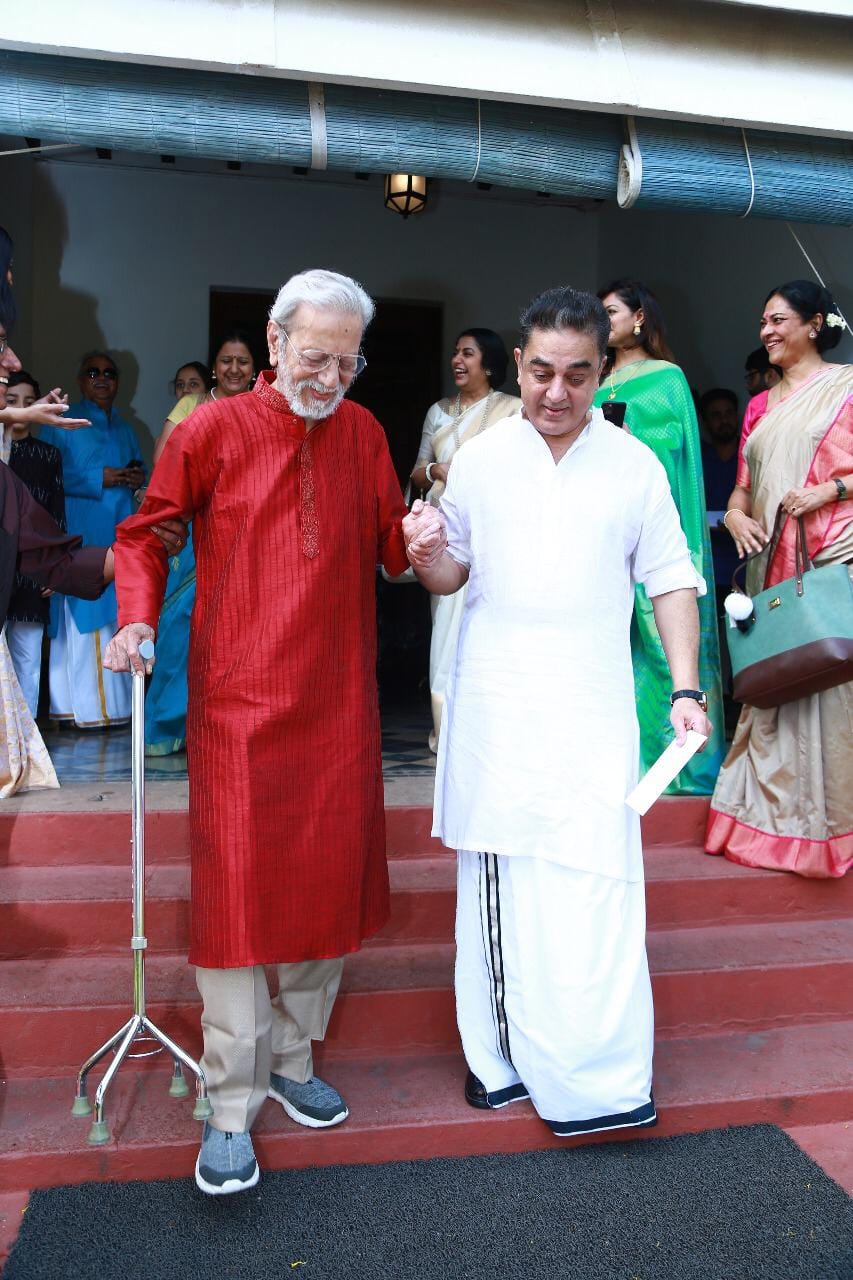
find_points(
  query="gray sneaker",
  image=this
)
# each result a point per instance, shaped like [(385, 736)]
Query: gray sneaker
[(313, 1103), (226, 1162)]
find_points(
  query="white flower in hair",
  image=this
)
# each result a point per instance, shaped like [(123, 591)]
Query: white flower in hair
[(835, 321)]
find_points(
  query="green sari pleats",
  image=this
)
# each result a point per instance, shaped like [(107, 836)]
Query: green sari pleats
[(660, 412)]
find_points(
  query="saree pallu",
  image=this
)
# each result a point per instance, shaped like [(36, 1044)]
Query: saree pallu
[(784, 798), (449, 435), (660, 412), (166, 701)]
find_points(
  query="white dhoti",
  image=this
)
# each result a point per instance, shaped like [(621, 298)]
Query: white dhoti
[(80, 689), (553, 995)]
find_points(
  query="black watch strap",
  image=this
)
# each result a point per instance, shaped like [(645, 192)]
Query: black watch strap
[(842, 489), (698, 695)]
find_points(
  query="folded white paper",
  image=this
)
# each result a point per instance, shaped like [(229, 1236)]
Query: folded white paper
[(667, 766)]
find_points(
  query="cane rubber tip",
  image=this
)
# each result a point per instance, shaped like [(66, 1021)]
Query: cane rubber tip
[(81, 1107), (202, 1109), (178, 1088), (146, 650), (99, 1133)]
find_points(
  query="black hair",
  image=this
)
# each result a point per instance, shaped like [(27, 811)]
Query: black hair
[(494, 353), (809, 299), (717, 393), (230, 335), (8, 310), (201, 369), (566, 308), (758, 361), (639, 297), (16, 379)]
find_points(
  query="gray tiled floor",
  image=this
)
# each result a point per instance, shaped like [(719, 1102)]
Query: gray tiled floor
[(103, 755)]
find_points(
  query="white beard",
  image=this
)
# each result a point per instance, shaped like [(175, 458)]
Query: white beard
[(298, 395)]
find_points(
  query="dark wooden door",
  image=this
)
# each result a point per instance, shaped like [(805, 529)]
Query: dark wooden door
[(404, 352), (245, 309), (403, 348)]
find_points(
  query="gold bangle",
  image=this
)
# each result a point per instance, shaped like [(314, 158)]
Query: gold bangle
[(726, 516)]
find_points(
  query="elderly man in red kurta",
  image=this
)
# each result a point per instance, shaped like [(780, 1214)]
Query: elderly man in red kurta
[(294, 500)]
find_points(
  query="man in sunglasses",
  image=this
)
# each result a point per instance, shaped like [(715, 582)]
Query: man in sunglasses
[(31, 541), (294, 500), (102, 469)]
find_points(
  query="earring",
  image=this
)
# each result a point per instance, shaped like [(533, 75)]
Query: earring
[(812, 333), (638, 329)]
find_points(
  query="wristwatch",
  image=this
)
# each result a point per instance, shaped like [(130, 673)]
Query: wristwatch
[(842, 489), (698, 695)]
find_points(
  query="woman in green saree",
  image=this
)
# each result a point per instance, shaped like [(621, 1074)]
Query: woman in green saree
[(659, 411)]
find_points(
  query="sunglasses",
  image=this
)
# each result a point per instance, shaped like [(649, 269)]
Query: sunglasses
[(93, 374)]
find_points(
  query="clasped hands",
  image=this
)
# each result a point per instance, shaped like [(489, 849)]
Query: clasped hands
[(425, 535)]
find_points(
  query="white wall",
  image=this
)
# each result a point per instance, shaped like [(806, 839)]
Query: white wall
[(712, 274), (125, 258)]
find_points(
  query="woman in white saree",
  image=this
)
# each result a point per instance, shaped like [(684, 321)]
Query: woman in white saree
[(479, 364)]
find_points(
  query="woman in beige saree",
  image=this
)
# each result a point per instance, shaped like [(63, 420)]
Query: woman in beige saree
[(479, 364), (784, 797)]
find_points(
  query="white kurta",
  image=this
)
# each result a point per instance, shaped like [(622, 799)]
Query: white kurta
[(540, 746)]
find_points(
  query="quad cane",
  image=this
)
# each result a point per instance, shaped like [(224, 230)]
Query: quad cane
[(139, 1030)]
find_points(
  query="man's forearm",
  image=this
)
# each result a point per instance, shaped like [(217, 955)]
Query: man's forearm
[(443, 577), (677, 619)]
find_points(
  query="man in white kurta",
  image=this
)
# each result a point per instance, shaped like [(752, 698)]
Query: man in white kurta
[(541, 741)]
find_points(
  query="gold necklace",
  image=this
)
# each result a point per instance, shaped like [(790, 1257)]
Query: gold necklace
[(636, 366)]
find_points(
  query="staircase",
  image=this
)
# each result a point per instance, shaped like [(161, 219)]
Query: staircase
[(752, 975)]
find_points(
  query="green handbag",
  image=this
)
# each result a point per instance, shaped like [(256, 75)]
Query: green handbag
[(798, 637)]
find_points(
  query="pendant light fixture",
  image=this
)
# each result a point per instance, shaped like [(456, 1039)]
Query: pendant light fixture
[(405, 193)]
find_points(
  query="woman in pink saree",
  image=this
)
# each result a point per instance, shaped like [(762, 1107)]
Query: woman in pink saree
[(784, 797)]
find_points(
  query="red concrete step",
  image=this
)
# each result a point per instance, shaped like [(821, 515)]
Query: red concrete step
[(399, 1000), (830, 1146), (51, 911), (102, 836), (411, 1108)]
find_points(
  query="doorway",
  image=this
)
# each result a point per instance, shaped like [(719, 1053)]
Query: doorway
[(403, 377)]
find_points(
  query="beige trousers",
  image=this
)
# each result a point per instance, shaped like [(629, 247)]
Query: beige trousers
[(247, 1034)]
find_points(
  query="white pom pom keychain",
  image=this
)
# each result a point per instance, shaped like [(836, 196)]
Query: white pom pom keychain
[(740, 610)]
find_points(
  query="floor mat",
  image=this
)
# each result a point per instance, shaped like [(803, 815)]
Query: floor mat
[(730, 1204)]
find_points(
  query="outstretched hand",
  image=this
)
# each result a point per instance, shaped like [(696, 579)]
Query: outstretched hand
[(122, 652), (51, 410), (425, 534)]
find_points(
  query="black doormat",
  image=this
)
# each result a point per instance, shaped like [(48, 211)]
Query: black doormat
[(730, 1204)]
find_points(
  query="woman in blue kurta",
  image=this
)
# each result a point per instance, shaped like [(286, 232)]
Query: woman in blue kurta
[(166, 703), (99, 486)]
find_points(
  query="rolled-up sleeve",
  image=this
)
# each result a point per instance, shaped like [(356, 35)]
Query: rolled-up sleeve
[(662, 560)]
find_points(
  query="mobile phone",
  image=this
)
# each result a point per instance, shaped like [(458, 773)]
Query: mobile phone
[(614, 411)]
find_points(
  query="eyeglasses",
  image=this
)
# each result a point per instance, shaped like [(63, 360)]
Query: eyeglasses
[(317, 361), (93, 374)]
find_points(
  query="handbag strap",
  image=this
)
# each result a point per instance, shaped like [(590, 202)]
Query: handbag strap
[(801, 552)]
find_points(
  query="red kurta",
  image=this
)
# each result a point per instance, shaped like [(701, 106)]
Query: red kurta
[(283, 742)]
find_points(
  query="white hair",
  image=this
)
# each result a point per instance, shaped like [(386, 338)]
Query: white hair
[(326, 290)]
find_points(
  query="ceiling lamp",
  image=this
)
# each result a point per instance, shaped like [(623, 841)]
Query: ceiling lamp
[(405, 193)]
